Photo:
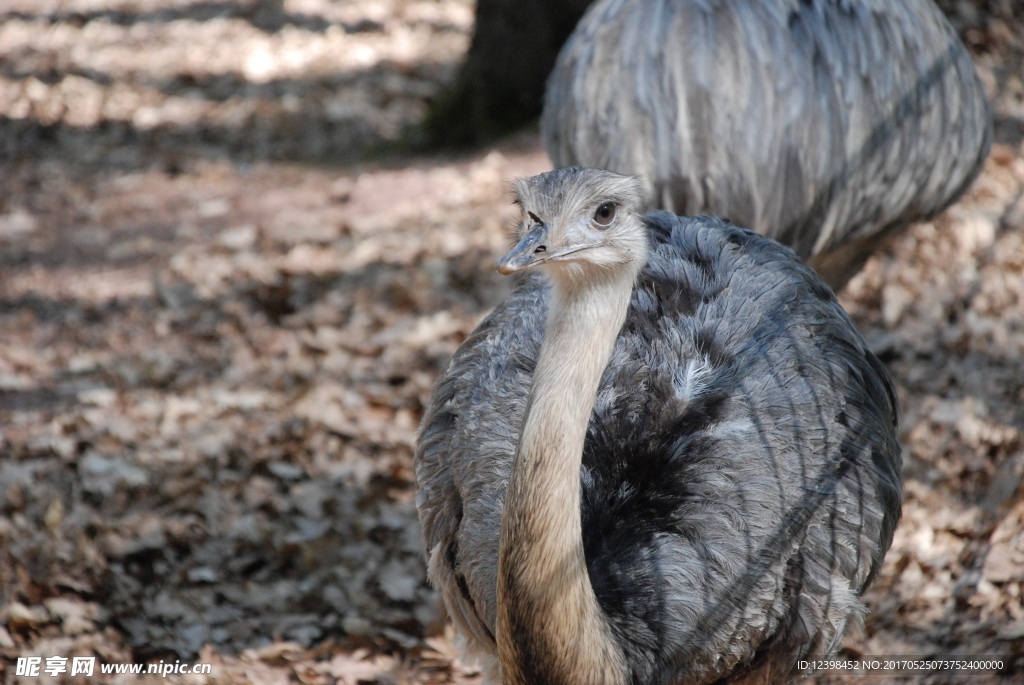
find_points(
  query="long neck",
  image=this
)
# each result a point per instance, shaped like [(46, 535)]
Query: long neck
[(550, 626)]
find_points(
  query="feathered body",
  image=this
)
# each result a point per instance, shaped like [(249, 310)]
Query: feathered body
[(826, 124), (740, 476)]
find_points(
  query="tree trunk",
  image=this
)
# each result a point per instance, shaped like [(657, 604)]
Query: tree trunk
[(501, 84)]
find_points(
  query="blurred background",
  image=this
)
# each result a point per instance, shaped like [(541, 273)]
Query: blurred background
[(238, 243)]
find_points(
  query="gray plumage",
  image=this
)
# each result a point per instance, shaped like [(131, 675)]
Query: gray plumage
[(826, 124), (740, 477)]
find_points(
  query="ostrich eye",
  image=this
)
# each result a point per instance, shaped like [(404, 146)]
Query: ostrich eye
[(605, 214)]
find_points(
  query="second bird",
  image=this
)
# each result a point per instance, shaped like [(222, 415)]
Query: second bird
[(827, 125)]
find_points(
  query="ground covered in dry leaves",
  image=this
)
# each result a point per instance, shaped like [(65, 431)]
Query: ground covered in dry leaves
[(220, 320)]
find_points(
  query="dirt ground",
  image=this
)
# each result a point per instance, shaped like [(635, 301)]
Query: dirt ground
[(225, 293)]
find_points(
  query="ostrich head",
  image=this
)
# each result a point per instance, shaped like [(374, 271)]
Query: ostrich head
[(577, 222)]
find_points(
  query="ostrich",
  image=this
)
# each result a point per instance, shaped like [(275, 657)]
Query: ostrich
[(825, 124), (667, 457)]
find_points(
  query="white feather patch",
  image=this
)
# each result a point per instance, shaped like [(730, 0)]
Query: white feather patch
[(692, 379)]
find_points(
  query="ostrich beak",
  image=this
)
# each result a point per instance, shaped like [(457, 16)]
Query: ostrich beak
[(531, 250)]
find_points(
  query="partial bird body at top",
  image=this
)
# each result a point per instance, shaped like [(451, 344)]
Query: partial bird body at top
[(667, 457), (825, 124)]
